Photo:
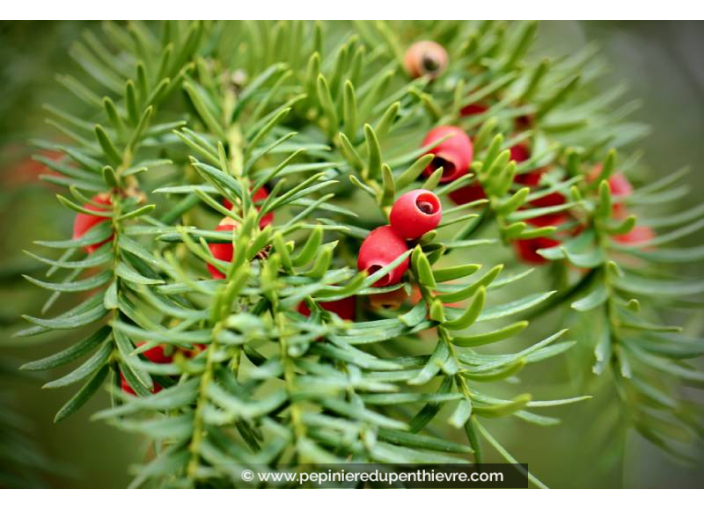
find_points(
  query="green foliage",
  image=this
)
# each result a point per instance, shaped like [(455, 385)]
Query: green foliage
[(185, 115)]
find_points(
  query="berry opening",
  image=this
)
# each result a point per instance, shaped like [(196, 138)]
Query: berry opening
[(428, 203), (383, 281), (430, 63), (448, 167)]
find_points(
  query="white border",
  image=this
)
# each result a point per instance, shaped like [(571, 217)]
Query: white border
[(362, 9)]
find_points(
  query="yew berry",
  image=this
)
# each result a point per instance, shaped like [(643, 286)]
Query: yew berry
[(519, 154), (474, 109), (30, 170), (618, 183), (529, 179), (222, 251), (260, 196), (128, 389), (620, 187), (467, 194), (527, 249), (474, 191), (84, 222), (425, 58), (415, 213), (549, 200), (454, 155), (155, 355), (639, 234), (343, 308), (380, 249)]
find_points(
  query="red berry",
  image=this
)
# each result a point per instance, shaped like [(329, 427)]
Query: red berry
[(550, 200), (126, 386), (548, 220), (222, 251), (416, 213), (474, 109), (619, 185), (454, 155), (639, 234), (380, 249), (519, 154), (27, 170), (528, 248), (529, 179), (84, 222), (155, 355), (425, 58), (467, 194), (260, 196), (344, 308)]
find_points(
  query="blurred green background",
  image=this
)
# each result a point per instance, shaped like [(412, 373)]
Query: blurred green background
[(660, 61)]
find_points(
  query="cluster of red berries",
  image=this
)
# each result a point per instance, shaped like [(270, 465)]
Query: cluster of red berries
[(620, 188), (454, 155), (414, 214)]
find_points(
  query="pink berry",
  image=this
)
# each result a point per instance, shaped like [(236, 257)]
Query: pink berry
[(425, 58), (639, 234), (619, 185)]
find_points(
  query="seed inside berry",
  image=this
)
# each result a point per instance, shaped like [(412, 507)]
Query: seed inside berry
[(425, 207), (430, 63)]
